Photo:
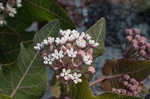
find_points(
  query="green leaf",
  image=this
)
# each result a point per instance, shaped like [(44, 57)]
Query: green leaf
[(138, 69), (97, 31), (51, 29), (31, 11), (48, 10), (4, 97), (25, 80), (82, 91), (9, 44)]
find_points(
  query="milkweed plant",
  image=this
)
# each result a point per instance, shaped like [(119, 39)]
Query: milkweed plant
[(70, 56)]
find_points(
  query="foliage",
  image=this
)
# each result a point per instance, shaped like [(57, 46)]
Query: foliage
[(97, 31), (138, 69), (27, 78), (31, 11), (82, 91)]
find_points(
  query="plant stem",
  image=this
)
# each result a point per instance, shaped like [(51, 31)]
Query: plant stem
[(102, 78), (24, 75)]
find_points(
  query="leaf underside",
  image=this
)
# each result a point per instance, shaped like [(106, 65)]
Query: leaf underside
[(136, 69)]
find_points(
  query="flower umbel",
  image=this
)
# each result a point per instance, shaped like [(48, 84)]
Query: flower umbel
[(68, 54), (136, 45)]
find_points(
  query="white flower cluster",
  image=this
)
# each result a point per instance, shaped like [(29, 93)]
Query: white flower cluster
[(52, 57), (70, 50), (8, 9), (67, 75), (46, 42), (93, 43), (71, 53), (48, 59)]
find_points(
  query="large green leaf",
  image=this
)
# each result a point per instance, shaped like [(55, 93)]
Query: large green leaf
[(97, 31), (25, 80), (135, 68), (82, 91), (51, 29), (48, 10), (32, 10)]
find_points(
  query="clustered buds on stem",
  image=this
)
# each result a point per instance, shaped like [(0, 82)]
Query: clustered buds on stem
[(69, 55), (136, 45), (8, 8), (133, 87)]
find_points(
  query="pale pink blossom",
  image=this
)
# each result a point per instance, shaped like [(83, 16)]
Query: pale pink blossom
[(91, 69)]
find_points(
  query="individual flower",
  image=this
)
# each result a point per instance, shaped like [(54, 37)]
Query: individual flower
[(91, 69), (81, 43), (71, 53)]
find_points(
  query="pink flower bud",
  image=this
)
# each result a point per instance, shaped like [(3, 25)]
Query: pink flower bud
[(90, 51), (125, 83), (126, 77), (132, 80), (142, 52), (118, 91), (137, 37), (133, 88), (135, 93), (57, 76), (129, 31), (81, 53), (114, 90), (137, 31), (143, 47), (148, 45), (143, 40), (91, 69), (136, 46), (134, 41), (129, 85), (139, 89), (123, 91), (129, 38)]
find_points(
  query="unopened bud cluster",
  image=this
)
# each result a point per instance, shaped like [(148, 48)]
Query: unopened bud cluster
[(68, 54), (8, 9), (137, 45), (132, 86)]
